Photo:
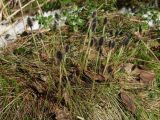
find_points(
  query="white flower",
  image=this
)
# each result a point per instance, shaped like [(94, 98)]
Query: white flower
[(151, 23), (145, 16), (149, 13), (123, 10)]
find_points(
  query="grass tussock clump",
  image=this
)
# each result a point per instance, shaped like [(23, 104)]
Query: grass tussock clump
[(108, 71)]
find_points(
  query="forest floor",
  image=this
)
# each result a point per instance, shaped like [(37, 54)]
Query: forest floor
[(100, 66)]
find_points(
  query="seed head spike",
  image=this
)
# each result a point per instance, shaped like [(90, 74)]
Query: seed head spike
[(94, 24), (59, 55), (105, 21), (125, 41), (110, 33), (101, 41), (109, 69), (91, 43), (57, 16), (66, 48), (29, 22), (94, 14), (111, 44), (140, 29)]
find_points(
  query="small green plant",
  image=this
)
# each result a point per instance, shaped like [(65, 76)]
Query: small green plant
[(6, 84), (73, 18), (152, 15), (45, 21)]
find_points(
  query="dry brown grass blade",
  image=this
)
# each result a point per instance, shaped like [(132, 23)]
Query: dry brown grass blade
[(17, 11)]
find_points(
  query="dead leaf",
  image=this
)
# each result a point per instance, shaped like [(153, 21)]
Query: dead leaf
[(146, 76), (132, 69), (128, 102), (94, 76)]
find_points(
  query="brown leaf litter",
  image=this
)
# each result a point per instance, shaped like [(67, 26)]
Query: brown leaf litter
[(128, 102), (145, 76)]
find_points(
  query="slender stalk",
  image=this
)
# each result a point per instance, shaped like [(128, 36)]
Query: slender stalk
[(92, 92), (20, 5), (39, 7), (121, 52), (85, 59), (36, 47), (104, 29), (107, 60), (60, 81), (61, 37), (97, 61), (86, 63)]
